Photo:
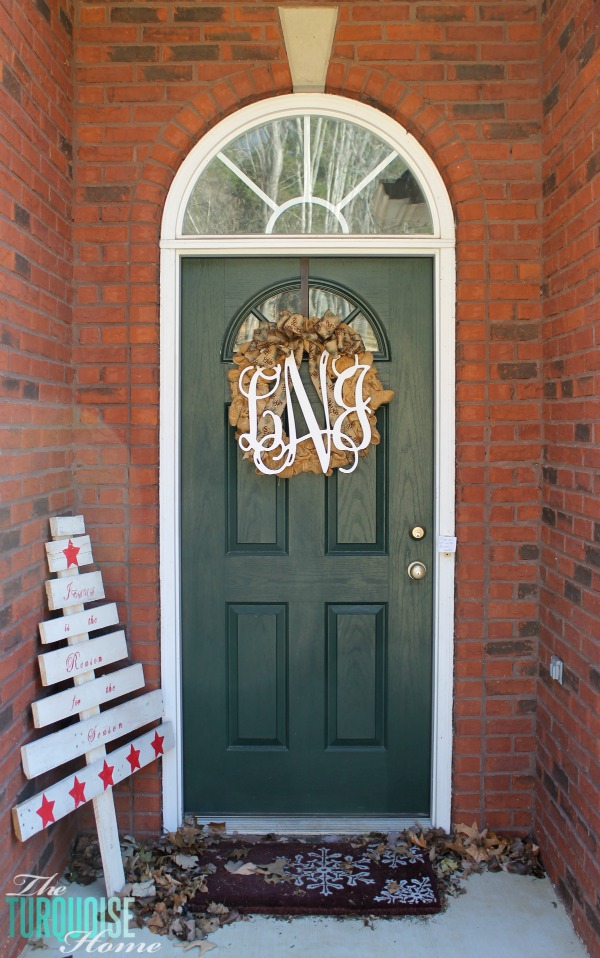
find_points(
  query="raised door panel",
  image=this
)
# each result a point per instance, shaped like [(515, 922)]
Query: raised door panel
[(356, 670), (257, 675), (357, 502), (257, 510)]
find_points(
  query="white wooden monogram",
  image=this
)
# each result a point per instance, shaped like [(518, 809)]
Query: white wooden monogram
[(323, 439), (267, 384)]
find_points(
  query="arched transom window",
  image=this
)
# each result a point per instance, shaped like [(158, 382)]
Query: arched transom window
[(307, 173)]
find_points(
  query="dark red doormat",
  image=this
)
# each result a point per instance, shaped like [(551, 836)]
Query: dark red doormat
[(318, 878)]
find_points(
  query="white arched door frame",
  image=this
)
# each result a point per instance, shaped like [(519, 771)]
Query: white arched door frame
[(441, 247)]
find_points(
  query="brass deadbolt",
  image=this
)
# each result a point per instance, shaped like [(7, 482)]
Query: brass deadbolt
[(417, 532)]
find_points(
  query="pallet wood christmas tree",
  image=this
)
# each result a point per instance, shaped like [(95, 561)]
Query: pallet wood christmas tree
[(79, 660)]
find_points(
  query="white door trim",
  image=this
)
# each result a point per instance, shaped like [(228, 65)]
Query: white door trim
[(441, 247)]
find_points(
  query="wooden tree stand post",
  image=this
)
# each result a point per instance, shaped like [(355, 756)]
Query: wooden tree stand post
[(79, 660)]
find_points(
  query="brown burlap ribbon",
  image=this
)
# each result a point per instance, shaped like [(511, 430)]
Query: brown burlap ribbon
[(294, 334)]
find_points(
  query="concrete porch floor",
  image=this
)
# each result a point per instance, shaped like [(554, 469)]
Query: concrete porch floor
[(501, 916)]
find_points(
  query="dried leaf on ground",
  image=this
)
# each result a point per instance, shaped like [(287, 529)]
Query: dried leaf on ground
[(203, 945), (167, 882), (417, 839), (208, 925), (275, 872), (229, 919), (215, 908), (471, 832), (238, 853), (176, 929), (186, 861), (241, 868), (159, 920), (186, 836), (145, 889)]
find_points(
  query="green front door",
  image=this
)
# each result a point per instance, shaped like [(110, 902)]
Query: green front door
[(307, 648)]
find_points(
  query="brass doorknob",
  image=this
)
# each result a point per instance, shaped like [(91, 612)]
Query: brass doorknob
[(417, 570)]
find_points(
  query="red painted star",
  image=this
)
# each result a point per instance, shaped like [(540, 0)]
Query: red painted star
[(107, 774), (46, 811), (134, 758), (78, 792), (157, 743), (71, 552)]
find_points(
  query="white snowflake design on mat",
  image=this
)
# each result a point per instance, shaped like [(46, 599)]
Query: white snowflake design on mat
[(394, 859), (413, 892), (324, 870)]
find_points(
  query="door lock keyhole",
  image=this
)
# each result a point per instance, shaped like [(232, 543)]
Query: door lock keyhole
[(417, 570)]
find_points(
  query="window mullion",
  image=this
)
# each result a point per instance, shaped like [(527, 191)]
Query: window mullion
[(307, 159), (246, 179), (365, 181)]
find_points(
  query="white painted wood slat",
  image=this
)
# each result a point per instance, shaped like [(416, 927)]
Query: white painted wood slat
[(78, 623), (69, 703), (68, 794), (64, 554), (60, 747), (79, 659), (66, 526), (73, 590)]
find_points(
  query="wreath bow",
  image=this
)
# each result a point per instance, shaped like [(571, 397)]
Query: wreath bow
[(294, 334)]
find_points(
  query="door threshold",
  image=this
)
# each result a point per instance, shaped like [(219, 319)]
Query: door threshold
[(312, 824)]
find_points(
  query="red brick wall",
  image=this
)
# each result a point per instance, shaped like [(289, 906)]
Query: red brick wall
[(466, 79), (35, 375), (568, 800), (151, 77)]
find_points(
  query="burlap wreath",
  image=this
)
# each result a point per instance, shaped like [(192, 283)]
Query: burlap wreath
[(296, 334)]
